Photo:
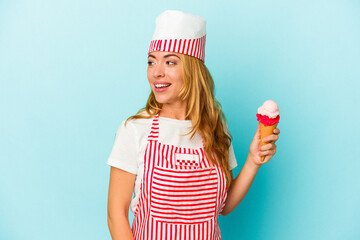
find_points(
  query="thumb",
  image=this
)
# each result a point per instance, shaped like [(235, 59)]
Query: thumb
[(257, 133), (257, 138)]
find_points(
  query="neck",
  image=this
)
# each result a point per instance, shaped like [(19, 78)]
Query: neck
[(174, 110)]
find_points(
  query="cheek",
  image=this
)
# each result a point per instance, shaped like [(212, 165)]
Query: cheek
[(176, 76), (179, 83), (149, 76)]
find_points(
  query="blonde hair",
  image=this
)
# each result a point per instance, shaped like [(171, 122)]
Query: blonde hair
[(203, 109)]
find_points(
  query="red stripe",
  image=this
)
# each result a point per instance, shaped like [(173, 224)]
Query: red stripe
[(201, 47), (200, 42), (174, 45), (164, 47), (150, 46), (187, 210), (183, 196), (178, 175), (196, 48), (183, 205), (171, 232), (152, 224), (187, 200), (204, 48), (179, 46), (168, 50), (181, 190), (167, 152), (161, 229), (160, 45), (159, 169), (175, 232), (188, 47), (156, 230), (192, 46), (184, 45), (202, 219), (203, 231)]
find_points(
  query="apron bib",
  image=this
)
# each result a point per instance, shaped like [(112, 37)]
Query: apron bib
[(181, 193)]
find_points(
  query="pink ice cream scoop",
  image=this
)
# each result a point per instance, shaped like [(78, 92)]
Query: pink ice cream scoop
[(268, 113)]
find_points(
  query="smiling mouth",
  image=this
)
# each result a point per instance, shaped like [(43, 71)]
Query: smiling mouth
[(162, 85)]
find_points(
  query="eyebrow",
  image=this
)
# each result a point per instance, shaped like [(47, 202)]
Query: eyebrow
[(168, 55)]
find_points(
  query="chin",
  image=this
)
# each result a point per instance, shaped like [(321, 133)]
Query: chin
[(161, 101)]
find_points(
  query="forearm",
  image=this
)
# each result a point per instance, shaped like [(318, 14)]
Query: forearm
[(120, 228), (240, 186)]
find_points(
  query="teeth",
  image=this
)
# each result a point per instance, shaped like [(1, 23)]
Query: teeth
[(162, 85)]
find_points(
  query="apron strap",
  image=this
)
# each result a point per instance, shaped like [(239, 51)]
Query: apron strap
[(154, 131)]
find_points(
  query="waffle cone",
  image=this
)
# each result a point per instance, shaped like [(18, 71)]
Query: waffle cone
[(264, 132)]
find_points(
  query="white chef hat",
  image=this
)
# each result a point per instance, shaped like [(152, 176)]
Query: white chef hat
[(179, 32)]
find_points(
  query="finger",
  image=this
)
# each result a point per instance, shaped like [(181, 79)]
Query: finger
[(257, 133), (270, 152), (266, 147), (266, 159), (270, 138), (269, 156), (272, 145), (264, 153), (276, 131)]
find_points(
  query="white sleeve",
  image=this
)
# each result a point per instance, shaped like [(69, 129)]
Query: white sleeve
[(124, 151), (232, 159)]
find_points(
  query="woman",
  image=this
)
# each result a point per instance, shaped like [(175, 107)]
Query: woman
[(176, 154)]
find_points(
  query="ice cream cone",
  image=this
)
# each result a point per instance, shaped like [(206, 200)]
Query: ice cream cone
[(264, 132), (268, 117)]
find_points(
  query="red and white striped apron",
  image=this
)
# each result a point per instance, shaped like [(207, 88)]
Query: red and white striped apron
[(181, 194)]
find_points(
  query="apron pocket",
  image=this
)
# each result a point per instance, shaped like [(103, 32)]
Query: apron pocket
[(183, 195)]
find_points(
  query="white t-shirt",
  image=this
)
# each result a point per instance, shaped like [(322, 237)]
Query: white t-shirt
[(131, 140)]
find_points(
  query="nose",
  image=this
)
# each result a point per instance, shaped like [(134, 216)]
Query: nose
[(159, 71)]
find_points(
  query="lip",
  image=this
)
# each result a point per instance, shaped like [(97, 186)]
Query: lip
[(161, 82), (161, 89)]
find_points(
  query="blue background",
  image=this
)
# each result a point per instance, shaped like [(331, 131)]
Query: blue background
[(71, 71)]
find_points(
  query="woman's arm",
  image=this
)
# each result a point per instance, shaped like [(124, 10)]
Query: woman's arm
[(240, 186), (242, 183), (121, 187)]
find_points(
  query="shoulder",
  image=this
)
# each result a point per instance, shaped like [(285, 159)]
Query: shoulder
[(225, 126), (136, 125)]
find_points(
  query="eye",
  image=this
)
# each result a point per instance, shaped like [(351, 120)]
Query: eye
[(150, 63), (170, 63)]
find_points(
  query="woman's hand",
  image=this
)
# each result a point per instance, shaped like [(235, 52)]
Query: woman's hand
[(268, 150)]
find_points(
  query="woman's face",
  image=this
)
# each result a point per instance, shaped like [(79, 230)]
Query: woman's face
[(165, 76)]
